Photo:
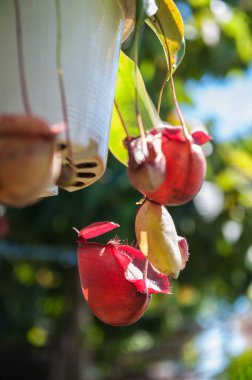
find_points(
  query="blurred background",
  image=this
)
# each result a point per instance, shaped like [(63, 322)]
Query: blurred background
[(203, 330)]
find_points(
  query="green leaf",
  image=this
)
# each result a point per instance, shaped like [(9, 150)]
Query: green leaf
[(180, 55), (168, 25), (124, 112)]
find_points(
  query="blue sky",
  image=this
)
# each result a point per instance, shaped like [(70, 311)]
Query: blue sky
[(228, 102)]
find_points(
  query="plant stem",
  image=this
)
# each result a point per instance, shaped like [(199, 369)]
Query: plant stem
[(138, 115), (161, 95), (121, 119), (180, 115), (76, 230), (60, 72), (20, 51)]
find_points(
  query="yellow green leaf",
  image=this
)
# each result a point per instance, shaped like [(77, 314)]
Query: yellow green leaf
[(158, 240), (124, 112), (168, 25)]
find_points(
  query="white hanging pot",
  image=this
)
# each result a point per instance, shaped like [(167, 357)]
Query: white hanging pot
[(58, 62)]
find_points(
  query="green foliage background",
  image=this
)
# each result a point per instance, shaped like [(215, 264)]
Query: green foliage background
[(46, 329)]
